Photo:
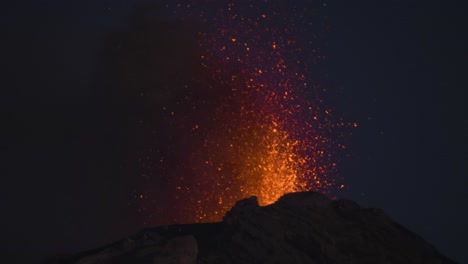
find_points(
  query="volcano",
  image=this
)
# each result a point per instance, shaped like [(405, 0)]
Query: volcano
[(301, 227)]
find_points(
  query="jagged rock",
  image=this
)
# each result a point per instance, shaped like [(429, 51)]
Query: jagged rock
[(179, 250), (305, 227)]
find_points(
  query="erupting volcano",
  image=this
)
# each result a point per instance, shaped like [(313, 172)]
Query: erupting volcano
[(250, 122)]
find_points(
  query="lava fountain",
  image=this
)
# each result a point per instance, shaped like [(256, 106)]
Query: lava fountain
[(269, 133)]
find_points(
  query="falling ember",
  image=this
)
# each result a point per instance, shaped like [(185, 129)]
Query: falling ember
[(270, 133)]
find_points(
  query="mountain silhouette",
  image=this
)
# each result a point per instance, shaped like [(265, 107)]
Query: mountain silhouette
[(303, 227)]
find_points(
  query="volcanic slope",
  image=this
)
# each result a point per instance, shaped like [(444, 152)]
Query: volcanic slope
[(303, 227)]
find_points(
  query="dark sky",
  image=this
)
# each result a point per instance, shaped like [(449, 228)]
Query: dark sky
[(72, 127), (398, 69)]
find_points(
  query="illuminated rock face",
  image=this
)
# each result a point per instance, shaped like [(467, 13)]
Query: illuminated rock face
[(305, 227)]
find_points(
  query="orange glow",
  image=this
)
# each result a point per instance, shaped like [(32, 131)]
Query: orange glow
[(269, 133)]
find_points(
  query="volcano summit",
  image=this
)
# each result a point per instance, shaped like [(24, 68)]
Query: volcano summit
[(303, 227)]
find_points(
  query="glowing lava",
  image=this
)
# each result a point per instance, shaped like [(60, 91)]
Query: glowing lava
[(269, 134)]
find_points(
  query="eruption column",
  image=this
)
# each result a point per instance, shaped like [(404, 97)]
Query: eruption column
[(270, 133)]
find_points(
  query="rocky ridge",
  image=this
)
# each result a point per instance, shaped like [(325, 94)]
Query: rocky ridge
[(305, 227)]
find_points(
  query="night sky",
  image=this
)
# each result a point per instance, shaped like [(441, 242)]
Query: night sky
[(119, 115)]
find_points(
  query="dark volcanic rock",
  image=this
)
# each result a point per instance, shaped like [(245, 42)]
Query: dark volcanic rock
[(305, 227)]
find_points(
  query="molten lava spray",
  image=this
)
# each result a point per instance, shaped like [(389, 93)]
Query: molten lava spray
[(269, 133)]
